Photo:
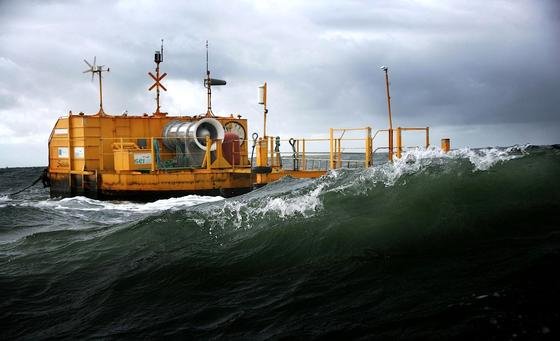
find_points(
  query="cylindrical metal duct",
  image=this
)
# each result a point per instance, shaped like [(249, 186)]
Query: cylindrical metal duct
[(190, 137), (175, 133)]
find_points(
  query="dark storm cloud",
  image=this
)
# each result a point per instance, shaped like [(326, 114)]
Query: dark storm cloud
[(460, 64)]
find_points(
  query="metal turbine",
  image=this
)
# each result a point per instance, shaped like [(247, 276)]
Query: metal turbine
[(97, 69)]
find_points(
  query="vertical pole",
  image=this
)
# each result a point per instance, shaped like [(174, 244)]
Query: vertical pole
[(331, 156), (339, 156), (427, 137), (388, 97), (209, 94), (445, 145), (303, 161), (390, 133), (368, 147), (208, 86), (264, 121), (100, 94), (399, 142), (335, 156), (386, 69), (160, 59), (297, 154), (157, 88), (265, 109)]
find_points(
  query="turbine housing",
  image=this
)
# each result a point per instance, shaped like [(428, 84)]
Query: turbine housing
[(190, 137)]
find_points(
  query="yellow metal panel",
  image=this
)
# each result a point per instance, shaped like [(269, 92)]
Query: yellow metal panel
[(177, 181)]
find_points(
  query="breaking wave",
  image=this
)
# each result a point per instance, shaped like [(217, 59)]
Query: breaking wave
[(467, 239)]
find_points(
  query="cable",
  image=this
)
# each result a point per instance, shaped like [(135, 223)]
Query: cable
[(44, 177), (33, 184)]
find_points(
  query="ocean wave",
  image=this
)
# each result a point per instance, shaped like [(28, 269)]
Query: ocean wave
[(283, 200), (469, 238), (80, 203), (293, 198)]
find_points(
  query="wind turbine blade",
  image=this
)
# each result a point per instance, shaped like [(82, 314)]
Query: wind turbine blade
[(88, 70), (88, 64), (92, 74), (94, 58)]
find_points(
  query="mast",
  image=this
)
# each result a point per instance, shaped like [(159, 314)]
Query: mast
[(208, 82), (208, 86), (158, 58), (386, 69)]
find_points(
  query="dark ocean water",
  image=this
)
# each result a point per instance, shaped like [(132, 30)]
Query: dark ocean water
[(431, 247)]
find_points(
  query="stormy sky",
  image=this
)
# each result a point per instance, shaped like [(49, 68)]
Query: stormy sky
[(483, 73)]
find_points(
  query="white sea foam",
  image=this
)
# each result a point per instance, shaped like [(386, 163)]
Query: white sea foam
[(88, 204), (302, 205), (81, 213), (242, 213), (3, 200), (414, 161), (484, 159)]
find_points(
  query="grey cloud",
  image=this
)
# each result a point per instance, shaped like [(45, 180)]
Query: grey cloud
[(460, 64)]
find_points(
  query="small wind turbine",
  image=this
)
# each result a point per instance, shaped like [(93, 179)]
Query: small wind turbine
[(97, 69)]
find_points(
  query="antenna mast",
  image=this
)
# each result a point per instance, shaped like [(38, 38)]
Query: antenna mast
[(95, 69), (208, 86), (386, 70), (208, 82), (158, 58)]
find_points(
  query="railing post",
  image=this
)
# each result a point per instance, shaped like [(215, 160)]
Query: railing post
[(390, 133), (297, 155), (399, 142), (339, 157), (331, 156), (368, 147), (445, 145), (303, 161), (427, 137)]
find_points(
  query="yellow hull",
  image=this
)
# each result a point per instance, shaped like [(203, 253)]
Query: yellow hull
[(104, 156)]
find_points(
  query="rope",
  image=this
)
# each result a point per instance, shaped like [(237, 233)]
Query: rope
[(33, 184)]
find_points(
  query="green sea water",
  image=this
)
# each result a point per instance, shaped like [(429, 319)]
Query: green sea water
[(434, 246)]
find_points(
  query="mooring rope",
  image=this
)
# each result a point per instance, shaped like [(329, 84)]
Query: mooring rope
[(43, 177), (23, 189)]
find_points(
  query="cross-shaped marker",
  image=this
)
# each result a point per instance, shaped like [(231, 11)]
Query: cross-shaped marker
[(157, 81)]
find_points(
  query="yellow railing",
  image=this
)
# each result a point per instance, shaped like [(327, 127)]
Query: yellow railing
[(153, 155), (338, 150), (397, 151), (344, 147)]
